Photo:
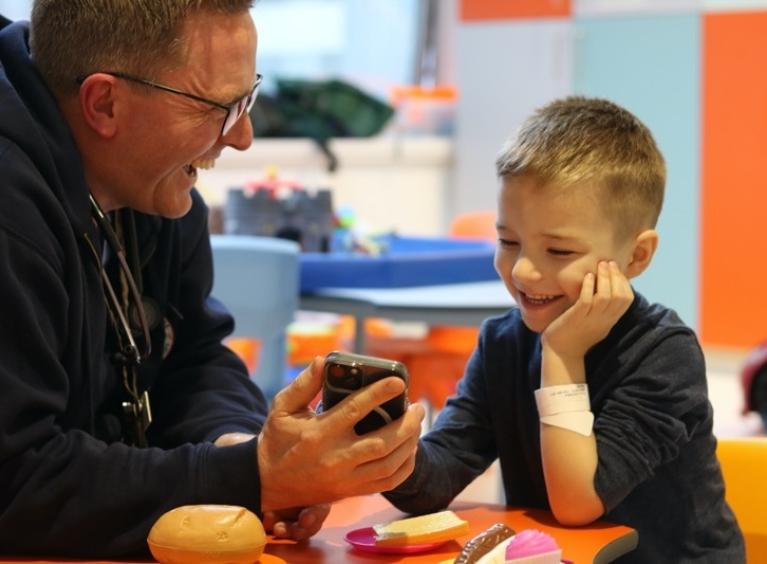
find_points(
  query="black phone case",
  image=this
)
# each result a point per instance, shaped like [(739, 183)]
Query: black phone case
[(348, 372)]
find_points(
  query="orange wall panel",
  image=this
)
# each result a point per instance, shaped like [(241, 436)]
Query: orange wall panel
[(478, 10), (734, 176)]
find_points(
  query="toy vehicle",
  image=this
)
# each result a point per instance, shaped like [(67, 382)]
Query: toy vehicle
[(753, 378)]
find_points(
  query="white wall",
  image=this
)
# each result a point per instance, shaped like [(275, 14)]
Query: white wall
[(16, 9), (504, 71)]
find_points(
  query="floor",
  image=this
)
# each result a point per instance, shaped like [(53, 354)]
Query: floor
[(725, 394)]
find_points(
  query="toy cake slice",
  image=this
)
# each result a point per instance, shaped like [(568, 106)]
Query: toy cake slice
[(431, 528)]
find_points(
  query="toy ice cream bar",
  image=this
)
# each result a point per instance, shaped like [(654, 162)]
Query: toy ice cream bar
[(483, 543), (532, 547), (499, 545)]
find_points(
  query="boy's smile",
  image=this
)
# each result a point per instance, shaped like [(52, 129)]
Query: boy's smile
[(549, 238)]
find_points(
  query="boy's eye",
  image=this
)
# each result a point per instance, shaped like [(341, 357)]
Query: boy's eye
[(560, 252), (507, 243)]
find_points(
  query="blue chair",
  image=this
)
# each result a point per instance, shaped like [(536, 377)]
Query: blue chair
[(257, 279)]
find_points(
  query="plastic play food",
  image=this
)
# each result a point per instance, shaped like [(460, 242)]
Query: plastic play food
[(431, 528), (209, 534), (484, 542), (533, 547)]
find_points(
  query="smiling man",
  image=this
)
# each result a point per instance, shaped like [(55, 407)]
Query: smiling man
[(110, 341)]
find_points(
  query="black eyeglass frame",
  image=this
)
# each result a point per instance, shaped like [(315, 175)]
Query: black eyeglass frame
[(233, 111)]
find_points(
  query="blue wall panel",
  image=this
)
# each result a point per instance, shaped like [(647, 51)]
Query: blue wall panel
[(651, 65)]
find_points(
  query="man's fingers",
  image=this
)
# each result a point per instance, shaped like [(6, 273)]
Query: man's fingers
[(358, 404), (393, 479), (310, 521), (269, 520), (381, 443), (385, 466), (302, 390)]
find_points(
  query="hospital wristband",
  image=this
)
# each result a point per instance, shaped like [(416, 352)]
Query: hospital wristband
[(552, 400), (581, 422), (566, 406)]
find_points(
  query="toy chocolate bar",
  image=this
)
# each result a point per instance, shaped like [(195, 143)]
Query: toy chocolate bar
[(484, 542)]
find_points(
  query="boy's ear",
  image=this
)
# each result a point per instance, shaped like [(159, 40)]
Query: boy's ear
[(97, 104), (645, 245)]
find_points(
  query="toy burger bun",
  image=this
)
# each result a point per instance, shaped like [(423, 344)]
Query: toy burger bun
[(207, 534), (431, 528)]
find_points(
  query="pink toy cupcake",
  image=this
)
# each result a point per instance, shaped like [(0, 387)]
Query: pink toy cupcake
[(533, 547)]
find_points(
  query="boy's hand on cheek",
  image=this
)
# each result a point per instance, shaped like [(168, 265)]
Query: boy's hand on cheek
[(604, 299)]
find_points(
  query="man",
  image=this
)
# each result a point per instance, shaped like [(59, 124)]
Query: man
[(109, 340)]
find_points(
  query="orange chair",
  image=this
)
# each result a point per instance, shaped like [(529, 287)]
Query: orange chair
[(474, 225), (437, 361), (247, 349), (744, 461)]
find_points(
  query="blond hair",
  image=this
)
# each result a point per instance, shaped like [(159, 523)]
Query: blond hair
[(70, 39), (578, 140)]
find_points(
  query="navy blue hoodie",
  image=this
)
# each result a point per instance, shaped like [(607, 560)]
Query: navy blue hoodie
[(68, 485)]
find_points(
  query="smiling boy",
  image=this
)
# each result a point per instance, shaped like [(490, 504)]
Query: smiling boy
[(593, 399)]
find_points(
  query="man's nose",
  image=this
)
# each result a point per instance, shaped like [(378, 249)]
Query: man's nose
[(240, 136)]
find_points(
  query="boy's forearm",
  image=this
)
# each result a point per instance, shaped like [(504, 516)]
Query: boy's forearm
[(569, 458)]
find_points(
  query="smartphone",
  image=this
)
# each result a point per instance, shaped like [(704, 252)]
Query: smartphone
[(348, 372)]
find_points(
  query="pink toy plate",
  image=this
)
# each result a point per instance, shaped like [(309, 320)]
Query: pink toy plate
[(365, 540)]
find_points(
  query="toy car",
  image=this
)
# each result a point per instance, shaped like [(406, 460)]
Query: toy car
[(753, 378)]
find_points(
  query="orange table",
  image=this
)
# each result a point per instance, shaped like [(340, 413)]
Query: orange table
[(599, 542)]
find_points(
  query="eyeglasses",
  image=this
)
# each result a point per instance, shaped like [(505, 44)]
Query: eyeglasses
[(233, 111), (132, 349)]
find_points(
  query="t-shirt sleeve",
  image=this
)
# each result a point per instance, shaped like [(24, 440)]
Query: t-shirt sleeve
[(649, 416), (459, 448)]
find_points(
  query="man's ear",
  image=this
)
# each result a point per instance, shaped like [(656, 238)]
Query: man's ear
[(645, 246), (97, 104)]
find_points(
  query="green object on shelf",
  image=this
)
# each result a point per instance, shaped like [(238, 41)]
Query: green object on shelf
[(319, 110)]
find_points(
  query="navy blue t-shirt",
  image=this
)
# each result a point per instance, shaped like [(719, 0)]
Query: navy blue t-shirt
[(657, 469)]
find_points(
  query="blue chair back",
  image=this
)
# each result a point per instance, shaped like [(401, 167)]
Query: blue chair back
[(257, 280)]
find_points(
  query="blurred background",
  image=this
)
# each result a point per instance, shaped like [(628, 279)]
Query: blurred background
[(459, 76)]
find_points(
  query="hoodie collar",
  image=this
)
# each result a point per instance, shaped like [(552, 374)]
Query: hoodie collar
[(30, 118)]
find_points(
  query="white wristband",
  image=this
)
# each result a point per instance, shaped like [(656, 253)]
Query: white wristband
[(552, 400), (581, 422), (567, 407)]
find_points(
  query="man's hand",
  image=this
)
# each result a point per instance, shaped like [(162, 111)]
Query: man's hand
[(590, 319), (296, 524), (306, 459)]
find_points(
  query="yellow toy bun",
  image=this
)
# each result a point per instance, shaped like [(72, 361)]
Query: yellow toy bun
[(207, 534)]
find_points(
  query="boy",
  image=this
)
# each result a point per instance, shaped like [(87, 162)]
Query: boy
[(594, 400)]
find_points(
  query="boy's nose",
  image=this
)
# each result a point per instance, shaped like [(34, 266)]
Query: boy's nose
[(525, 270)]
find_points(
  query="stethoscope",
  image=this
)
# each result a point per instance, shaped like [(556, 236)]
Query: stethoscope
[(130, 353)]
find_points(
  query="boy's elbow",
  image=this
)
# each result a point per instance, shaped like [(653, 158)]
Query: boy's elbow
[(578, 514)]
